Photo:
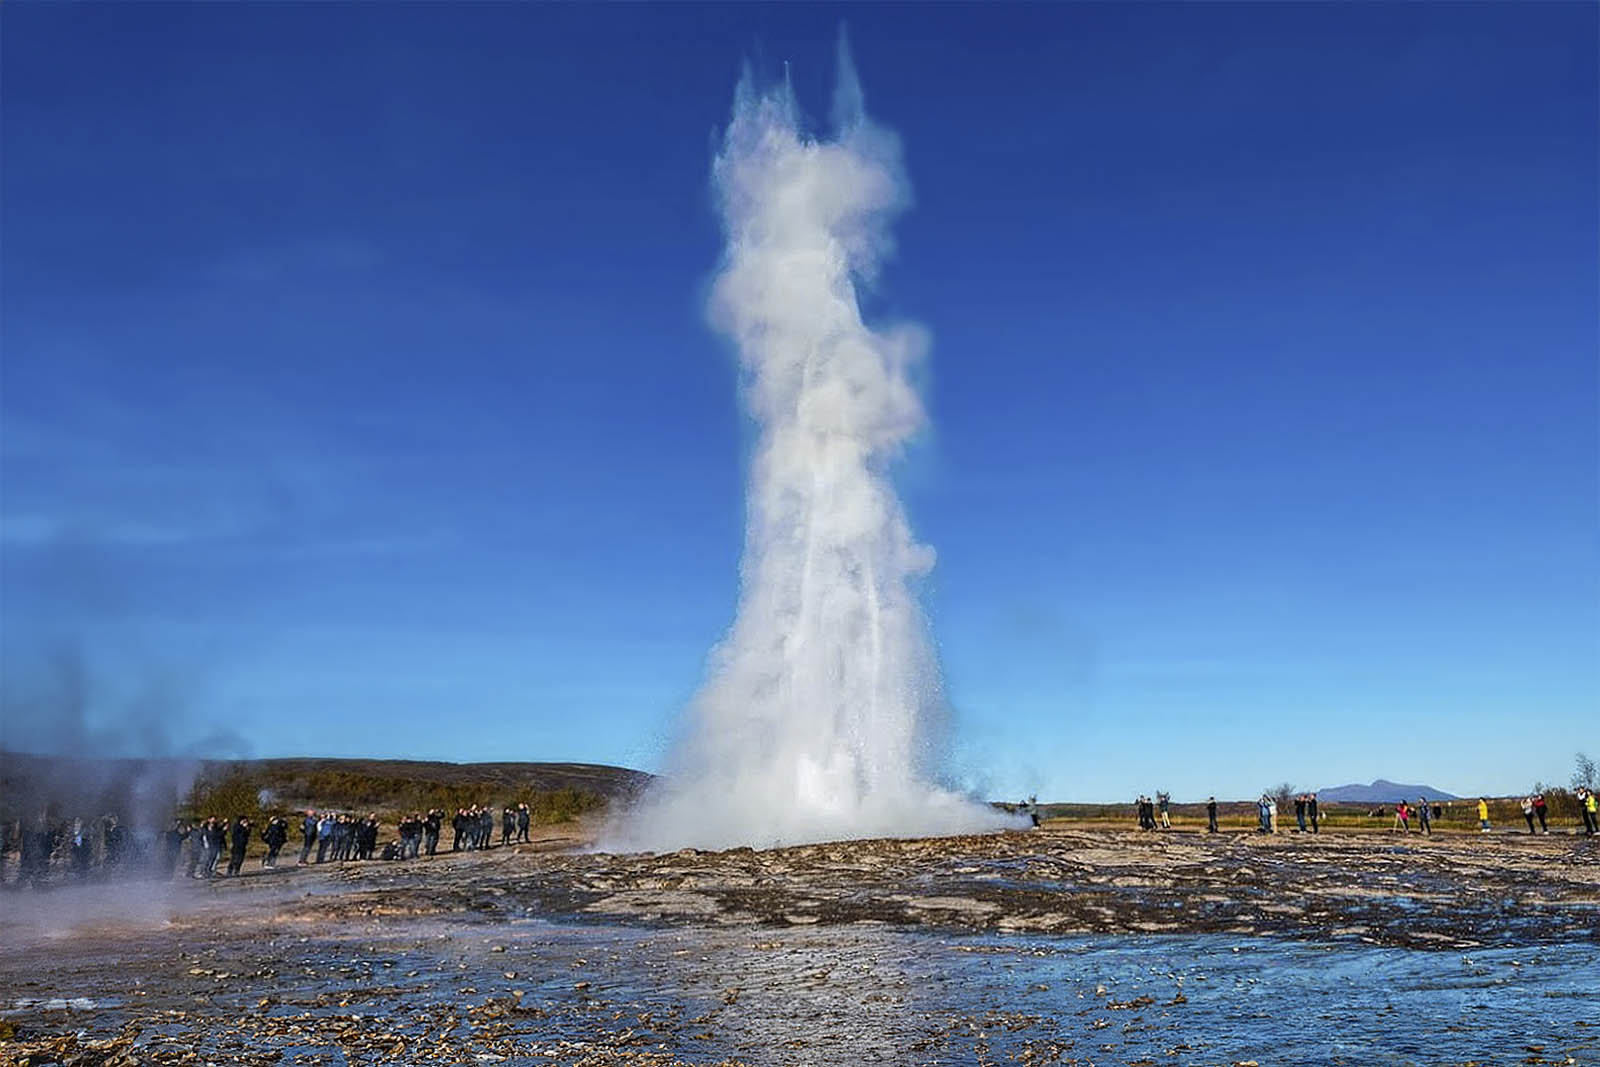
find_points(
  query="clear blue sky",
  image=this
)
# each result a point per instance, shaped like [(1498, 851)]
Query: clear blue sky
[(358, 397)]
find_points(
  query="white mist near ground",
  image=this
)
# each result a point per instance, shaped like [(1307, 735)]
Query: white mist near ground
[(823, 715)]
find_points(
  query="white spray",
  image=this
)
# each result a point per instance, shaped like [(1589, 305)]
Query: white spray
[(823, 715)]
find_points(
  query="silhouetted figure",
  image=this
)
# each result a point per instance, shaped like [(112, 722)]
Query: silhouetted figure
[(219, 843), (1300, 812), (524, 820), (324, 836), (8, 841), (430, 830), (410, 836), (82, 850), (1424, 816), (1311, 813), (203, 847), (197, 836), (240, 842), (275, 834), (1211, 815), (38, 845), (116, 842), (308, 836), (172, 848)]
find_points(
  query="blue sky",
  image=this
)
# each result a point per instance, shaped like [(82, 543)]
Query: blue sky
[(358, 397)]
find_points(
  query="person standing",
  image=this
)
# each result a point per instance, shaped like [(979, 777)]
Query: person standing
[(308, 836), (173, 841), (240, 842), (1211, 815), (275, 834), (1311, 812), (219, 842), (1539, 809), (1300, 811), (430, 830), (1163, 801), (197, 834), (82, 850), (1272, 814), (1526, 804), (114, 837), (203, 837), (1591, 816), (1424, 816), (525, 819), (37, 844), (1402, 817), (324, 836), (1483, 814)]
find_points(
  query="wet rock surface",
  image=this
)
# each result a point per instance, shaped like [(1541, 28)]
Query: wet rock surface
[(1045, 947), (1442, 892)]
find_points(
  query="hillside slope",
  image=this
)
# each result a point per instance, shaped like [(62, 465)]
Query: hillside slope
[(143, 791)]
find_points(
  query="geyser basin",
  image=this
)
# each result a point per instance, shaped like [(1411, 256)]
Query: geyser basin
[(823, 716)]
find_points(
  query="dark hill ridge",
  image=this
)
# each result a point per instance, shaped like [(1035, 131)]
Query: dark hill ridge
[(1381, 791), (145, 789), (596, 778)]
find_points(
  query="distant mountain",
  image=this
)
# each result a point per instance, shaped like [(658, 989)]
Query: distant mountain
[(1381, 791)]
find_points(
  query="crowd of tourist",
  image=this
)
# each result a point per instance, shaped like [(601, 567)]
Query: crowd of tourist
[(105, 847), (57, 849), (1155, 814)]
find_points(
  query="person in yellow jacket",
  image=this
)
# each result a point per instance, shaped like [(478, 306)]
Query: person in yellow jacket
[(1483, 814), (1591, 813)]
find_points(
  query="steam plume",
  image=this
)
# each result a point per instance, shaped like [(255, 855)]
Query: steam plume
[(823, 715)]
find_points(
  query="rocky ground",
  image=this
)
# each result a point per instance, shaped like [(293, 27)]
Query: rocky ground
[(1050, 946), (1447, 891)]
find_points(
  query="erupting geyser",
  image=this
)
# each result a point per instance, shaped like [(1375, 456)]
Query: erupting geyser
[(823, 713)]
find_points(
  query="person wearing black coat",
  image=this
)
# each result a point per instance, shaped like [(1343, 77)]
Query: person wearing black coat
[(172, 842), (430, 830), (206, 848), (308, 836), (240, 842), (275, 834)]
